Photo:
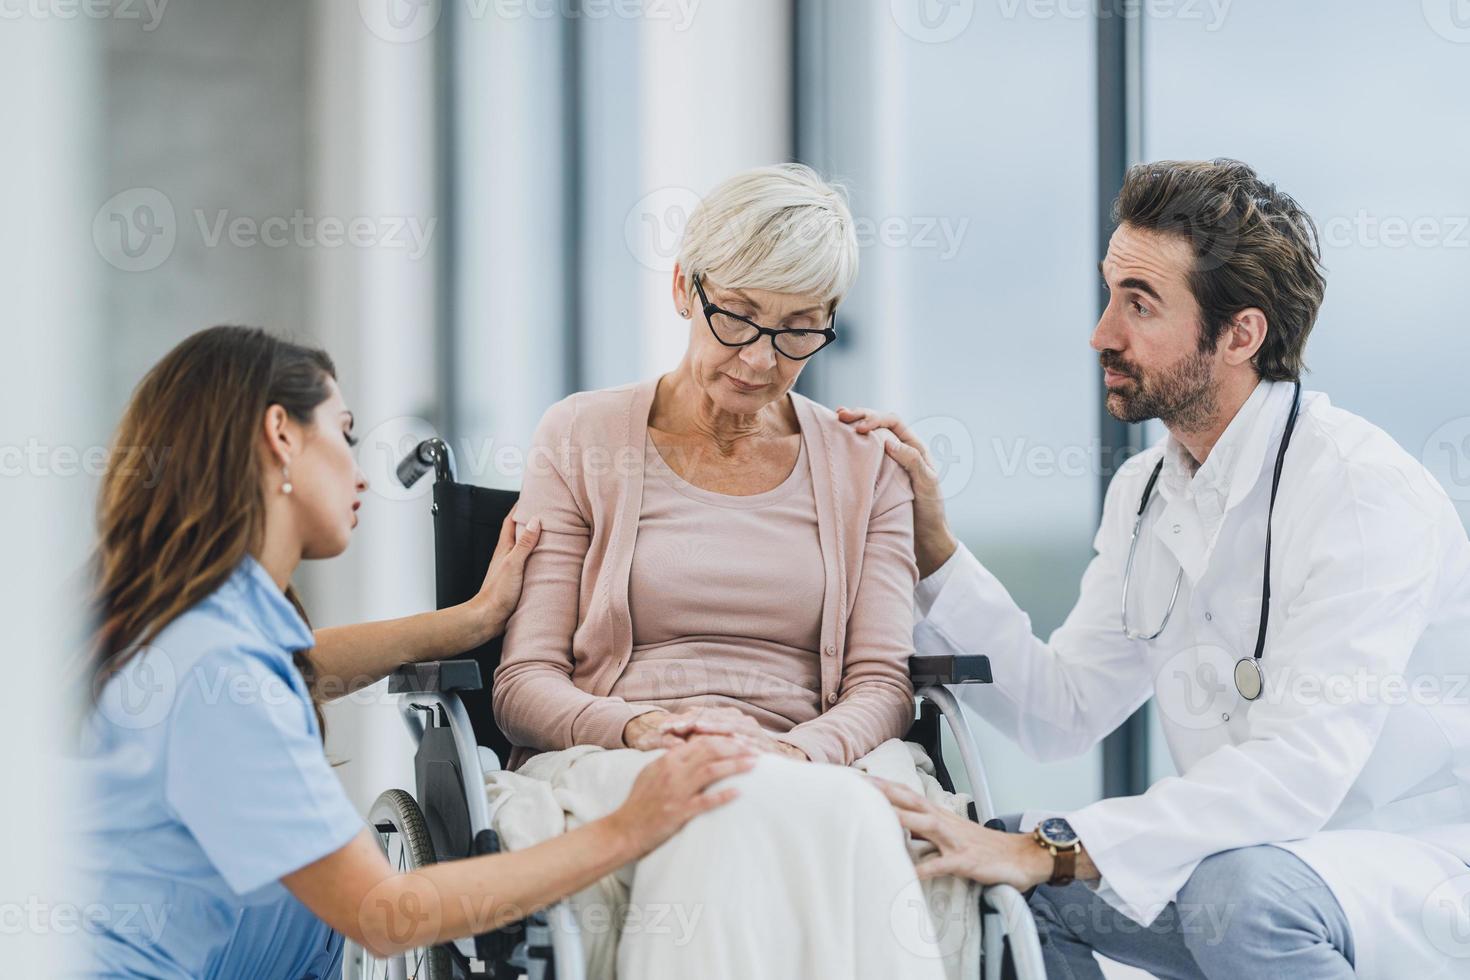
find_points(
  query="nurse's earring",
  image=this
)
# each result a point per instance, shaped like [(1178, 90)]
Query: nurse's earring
[(285, 479)]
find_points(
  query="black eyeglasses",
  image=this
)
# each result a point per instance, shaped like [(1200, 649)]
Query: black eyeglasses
[(734, 330)]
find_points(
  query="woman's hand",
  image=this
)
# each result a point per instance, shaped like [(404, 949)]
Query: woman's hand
[(666, 730), (731, 722), (501, 590), (674, 789), (966, 849), (933, 541)]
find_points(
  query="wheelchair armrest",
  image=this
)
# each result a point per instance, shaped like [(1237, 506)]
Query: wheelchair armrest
[(949, 669), (435, 677)]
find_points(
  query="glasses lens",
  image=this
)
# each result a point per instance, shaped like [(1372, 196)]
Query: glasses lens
[(731, 330), (800, 343)]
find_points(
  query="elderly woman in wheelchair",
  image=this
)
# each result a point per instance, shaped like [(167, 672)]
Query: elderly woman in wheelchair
[(722, 558)]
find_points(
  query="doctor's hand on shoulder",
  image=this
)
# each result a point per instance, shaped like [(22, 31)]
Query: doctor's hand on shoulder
[(934, 543)]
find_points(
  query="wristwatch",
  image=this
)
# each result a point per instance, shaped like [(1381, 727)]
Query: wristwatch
[(1057, 836)]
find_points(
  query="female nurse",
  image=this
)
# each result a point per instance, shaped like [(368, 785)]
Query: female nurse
[(215, 839)]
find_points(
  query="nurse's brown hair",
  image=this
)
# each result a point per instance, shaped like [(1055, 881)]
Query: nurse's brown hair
[(170, 534)]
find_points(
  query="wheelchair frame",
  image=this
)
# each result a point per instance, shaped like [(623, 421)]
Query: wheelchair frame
[(453, 755)]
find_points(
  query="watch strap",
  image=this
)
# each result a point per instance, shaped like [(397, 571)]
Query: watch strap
[(1064, 865)]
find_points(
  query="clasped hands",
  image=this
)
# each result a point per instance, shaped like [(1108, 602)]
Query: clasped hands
[(670, 729)]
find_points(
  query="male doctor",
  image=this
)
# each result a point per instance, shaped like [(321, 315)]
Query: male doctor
[(1319, 720)]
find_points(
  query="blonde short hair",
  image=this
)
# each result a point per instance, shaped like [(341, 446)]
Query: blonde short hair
[(781, 228)]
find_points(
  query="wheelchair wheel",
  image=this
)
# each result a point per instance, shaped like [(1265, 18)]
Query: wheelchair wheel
[(404, 838)]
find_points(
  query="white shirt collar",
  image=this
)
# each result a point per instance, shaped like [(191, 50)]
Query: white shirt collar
[(1235, 463)]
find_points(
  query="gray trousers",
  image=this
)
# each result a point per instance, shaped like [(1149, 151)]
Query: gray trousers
[(1248, 913)]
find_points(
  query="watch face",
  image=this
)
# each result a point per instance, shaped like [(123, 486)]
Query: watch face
[(1057, 832)]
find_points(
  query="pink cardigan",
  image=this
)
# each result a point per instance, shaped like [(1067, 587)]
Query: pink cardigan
[(572, 636)]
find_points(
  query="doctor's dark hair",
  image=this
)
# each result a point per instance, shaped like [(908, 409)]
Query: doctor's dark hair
[(171, 533), (1254, 246)]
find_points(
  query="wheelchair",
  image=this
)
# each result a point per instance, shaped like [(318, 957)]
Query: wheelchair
[(447, 708)]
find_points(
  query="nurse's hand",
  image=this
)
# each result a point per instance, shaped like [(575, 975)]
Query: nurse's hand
[(966, 849), (933, 541), (501, 590), (675, 789)]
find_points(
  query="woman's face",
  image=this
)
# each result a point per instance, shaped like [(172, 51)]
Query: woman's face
[(326, 483), (743, 380)]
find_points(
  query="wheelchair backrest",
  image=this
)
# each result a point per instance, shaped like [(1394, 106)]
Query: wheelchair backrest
[(467, 523)]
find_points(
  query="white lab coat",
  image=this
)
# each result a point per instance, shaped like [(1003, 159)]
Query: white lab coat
[(1357, 756)]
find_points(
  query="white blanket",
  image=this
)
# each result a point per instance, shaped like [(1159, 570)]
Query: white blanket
[(804, 875)]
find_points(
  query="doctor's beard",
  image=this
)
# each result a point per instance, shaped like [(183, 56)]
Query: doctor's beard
[(1182, 396)]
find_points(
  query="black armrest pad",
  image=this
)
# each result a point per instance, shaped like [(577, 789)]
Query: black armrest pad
[(435, 677), (950, 669)]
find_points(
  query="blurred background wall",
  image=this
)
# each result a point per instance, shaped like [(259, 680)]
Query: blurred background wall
[(475, 204)]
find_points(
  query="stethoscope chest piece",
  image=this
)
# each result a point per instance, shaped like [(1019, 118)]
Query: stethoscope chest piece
[(1249, 680)]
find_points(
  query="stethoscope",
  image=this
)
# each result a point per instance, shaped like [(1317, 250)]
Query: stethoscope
[(1249, 679)]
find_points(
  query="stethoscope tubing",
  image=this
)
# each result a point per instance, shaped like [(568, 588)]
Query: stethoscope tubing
[(1249, 678)]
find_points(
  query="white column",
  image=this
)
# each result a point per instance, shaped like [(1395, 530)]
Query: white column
[(374, 310), (715, 96), (48, 422)]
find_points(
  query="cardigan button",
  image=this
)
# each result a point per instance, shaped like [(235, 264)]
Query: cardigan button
[(832, 698), (830, 650)]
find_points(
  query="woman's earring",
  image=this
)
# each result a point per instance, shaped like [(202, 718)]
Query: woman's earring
[(684, 313), (286, 480)]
